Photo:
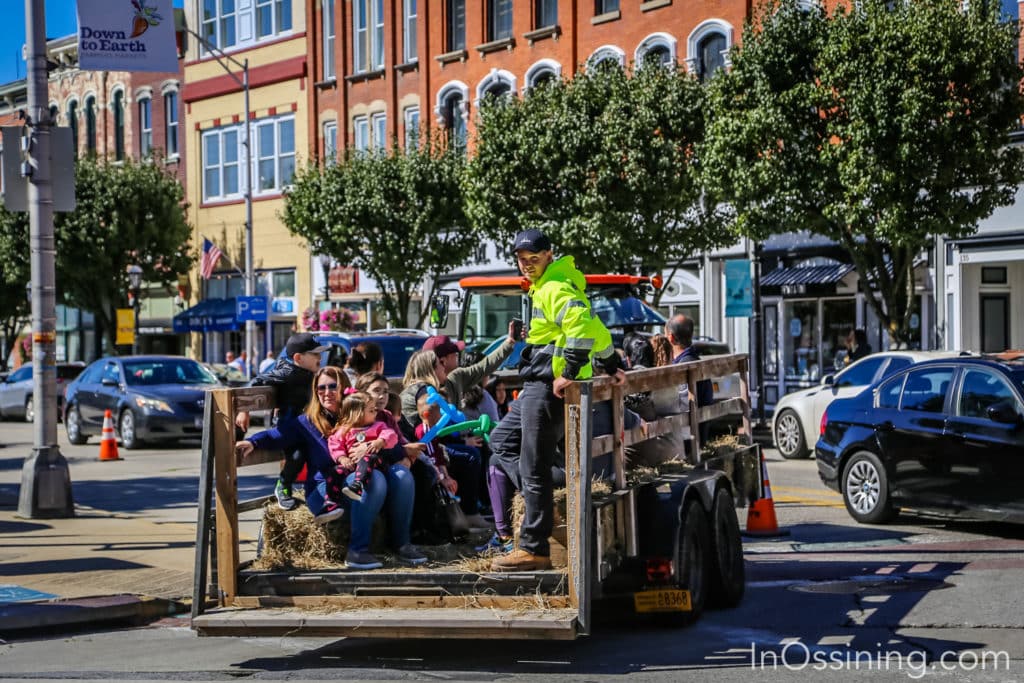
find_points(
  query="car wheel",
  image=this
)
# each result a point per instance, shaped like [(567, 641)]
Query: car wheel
[(30, 410), (866, 489), (126, 426), (73, 426), (789, 436)]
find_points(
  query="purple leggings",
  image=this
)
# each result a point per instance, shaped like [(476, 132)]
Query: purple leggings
[(501, 490)]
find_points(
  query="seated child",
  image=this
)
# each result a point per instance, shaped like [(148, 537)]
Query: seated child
[(357, 424), (461, 459)]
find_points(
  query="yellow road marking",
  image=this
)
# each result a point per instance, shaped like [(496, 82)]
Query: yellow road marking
[(828, 493)]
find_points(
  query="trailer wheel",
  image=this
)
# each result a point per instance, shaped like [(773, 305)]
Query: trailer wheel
[(692, 560), (728, 574)]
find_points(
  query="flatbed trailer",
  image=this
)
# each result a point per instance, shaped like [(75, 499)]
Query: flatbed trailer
[(666, 546)]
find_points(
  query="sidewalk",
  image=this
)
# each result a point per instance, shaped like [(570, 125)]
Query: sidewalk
[(58, 573)]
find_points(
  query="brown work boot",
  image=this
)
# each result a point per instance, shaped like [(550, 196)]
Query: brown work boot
[(520, 560)]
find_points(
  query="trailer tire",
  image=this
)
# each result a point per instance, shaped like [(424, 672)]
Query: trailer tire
[(693, 555), (728, 574)]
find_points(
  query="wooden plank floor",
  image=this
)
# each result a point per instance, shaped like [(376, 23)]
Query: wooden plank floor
[(391, 623)]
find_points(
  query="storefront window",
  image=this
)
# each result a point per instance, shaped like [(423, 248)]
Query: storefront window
[(284, 284), (800, 341), (771, 341), (879, 340), (839, 316)]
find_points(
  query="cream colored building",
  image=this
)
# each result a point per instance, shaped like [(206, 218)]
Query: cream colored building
[(271, 36)]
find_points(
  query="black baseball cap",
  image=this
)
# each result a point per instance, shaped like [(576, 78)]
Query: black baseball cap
[(303, 342), (531, 240)]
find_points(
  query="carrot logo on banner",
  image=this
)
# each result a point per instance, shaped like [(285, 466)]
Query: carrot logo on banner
[(145, 17), (126, 35)]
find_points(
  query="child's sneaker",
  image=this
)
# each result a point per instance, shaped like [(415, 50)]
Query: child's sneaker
[(497, 543), (285, 501), (331, 512), (354, 491)]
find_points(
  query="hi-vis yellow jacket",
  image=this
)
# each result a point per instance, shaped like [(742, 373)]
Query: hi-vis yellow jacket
[(564, 338)]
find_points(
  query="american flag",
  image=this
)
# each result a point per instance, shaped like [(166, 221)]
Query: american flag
[(211, 255)]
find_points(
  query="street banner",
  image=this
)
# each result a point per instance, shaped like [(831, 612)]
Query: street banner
[(739, 292), (126, 35), (125, 326)]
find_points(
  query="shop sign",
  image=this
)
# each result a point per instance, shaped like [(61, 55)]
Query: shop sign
[(790, 290), (343, 280), (125, 326), (126, 35), (283, 305), (739, 292)]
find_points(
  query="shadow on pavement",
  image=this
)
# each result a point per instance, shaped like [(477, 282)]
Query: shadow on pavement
[(84, 564), (9, 527), (152, 493)]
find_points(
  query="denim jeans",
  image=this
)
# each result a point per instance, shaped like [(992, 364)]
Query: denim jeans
[(395, 489)]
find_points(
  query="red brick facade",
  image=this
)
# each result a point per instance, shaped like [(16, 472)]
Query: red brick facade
[(690, 33)]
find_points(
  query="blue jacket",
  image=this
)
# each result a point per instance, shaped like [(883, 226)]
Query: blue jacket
[(705, 392), (302, 435)]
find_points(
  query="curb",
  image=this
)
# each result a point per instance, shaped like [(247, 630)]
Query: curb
[(70, 613)]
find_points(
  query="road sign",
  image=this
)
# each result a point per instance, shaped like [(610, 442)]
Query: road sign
[(125, 326), (251, 308)]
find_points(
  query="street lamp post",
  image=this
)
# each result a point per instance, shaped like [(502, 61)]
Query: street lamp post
[(243, 82), (135, 285), (325, 263)]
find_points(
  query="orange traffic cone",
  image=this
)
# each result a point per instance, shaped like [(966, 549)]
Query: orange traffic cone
[(761, 514), (108, 442)]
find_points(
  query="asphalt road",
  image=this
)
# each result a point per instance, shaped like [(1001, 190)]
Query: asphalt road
[(921, 598)]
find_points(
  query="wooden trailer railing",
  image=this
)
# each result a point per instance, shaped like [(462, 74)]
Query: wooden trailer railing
[(568, 595)]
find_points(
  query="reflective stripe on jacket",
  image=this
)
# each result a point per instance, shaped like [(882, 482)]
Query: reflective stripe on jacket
[(564, 338)]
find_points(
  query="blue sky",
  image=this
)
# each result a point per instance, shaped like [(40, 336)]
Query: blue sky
[(60, 21)]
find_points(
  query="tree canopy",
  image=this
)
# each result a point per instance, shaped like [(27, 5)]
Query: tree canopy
[(126, 213), (880, 126), (604, 163), (396, 215)]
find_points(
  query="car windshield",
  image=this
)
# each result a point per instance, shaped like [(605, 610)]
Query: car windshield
[(623, 310), (170, 371)]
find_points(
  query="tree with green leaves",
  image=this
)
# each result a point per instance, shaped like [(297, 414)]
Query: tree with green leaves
[(603, 163), (395, 215), (15, 310), (126, 213), (880, 126)]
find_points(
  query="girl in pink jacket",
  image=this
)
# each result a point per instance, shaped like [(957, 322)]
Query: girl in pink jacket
[(357, 424)]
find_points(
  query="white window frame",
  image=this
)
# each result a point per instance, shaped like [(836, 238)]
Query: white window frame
[(494, 77), (277, 16), (702, 31), (276, 125), (537, 69), (411, 117), (377, 42), (172, 125), (217, 23), (409, 19), (607, 52), (330, 141), (656, 40), (379, 130), (219, 137), (367, 19), (361, 133), (330, 39), (145, 109)]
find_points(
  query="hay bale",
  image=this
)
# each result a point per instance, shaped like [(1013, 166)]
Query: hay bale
[(291, 539), (723, 445)]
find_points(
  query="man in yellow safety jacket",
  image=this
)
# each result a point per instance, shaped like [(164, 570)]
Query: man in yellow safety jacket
[(563, 344)]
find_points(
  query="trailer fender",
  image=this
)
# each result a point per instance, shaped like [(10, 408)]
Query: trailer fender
[(660, 508)]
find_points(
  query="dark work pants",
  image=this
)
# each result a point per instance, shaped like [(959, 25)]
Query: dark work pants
[(525, 444)]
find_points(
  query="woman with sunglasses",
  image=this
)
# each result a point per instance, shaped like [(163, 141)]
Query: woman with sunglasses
[(392, 488)]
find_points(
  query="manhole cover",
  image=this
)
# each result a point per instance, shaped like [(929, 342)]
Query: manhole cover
[(873, 586)]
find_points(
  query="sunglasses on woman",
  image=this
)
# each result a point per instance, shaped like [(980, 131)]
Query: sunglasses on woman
[(333, 386)]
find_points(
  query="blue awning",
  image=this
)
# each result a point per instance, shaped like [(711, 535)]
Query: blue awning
[(209, 315)]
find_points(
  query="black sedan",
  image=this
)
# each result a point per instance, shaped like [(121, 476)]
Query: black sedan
[(152, 398), (944, 436)]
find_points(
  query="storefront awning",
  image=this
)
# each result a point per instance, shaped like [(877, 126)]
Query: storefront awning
[(805, 280), (209, 315)]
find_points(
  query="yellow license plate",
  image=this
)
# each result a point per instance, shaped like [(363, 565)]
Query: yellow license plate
[(663, 600)]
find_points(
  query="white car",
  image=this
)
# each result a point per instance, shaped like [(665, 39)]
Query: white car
[(797, 418)]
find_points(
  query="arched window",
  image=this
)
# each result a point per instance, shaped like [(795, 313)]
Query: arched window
[(707, 48), (73, 124), (90, 124), (54, 111), (657, 47), (607, 54), (454, 119), (543, 71), (117, 105), (497, 84), (710, 56)]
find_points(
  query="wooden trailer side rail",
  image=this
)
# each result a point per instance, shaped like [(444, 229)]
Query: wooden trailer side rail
[(219, 506)]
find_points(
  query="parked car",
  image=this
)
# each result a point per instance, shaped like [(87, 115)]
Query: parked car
[(228, 375), (152, 398), (16, 390), (798, 415), (941, 436)]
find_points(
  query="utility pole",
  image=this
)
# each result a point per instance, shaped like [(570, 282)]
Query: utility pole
[(45, 478)]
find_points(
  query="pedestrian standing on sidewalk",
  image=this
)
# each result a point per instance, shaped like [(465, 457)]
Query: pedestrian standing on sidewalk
[(563, 342), (292, 380)]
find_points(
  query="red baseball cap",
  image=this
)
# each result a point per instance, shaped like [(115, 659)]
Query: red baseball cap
[(442, 345)]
